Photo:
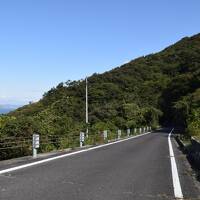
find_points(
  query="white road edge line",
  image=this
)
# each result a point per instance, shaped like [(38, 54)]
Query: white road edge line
[(176, 182), (66, 155)]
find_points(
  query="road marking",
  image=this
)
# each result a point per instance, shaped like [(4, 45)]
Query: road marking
[(176, 182), (66, 155)]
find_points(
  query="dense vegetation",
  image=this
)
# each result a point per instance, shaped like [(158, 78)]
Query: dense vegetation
[(158, 88)]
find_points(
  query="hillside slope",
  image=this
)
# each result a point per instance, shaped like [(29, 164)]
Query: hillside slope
[(162, 87)]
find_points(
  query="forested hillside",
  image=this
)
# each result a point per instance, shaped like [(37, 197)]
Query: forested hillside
[(158, 88)]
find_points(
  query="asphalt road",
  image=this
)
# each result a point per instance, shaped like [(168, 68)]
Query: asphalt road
[(136, 169)]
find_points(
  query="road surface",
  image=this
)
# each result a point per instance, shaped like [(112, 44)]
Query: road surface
[(136, 169)]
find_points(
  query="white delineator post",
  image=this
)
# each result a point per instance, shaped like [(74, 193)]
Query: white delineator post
[(82, 138), (119, 133), (128, 132), (36, 144), (135, 131), (105, 134)]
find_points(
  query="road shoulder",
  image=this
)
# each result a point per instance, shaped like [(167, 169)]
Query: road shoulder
[(190, 185)]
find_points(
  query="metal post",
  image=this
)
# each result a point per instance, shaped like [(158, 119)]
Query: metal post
[(135, 131), (119, 134), (34, 153), (82, 138), (86, 106), (105, 134), (36, 144), (81, 144), (128, 132)]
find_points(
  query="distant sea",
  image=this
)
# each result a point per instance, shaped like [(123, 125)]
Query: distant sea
[(4, 109)]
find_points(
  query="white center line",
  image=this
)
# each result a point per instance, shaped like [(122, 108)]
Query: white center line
[(176, 182)]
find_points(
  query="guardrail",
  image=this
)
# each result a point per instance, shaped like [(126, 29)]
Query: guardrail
[(192, 150), (11, 147), (195, 152)]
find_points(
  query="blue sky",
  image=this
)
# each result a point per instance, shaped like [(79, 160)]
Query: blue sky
[(44, 42)]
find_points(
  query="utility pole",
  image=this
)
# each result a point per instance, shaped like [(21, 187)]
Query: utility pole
[(86, 106)]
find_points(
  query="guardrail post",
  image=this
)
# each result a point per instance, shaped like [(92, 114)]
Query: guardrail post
[(105, 134), (128, 132), (36, 144), (135, 131), (119, 133), (82, 138)]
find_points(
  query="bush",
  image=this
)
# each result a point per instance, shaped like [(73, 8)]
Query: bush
[(194, 128)]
